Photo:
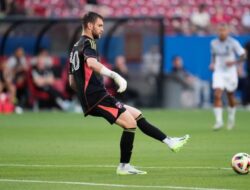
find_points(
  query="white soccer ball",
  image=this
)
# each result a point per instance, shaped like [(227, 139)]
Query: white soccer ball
[(241, 163)]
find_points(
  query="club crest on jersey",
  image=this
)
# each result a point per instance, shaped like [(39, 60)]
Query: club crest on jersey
[(118, 105)]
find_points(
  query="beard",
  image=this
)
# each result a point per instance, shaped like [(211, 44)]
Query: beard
[(96, 36)]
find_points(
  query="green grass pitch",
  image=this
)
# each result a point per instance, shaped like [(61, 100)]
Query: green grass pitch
[(64, 151)]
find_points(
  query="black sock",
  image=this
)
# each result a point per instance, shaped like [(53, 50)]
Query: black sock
[(126, 145), (149, 129)]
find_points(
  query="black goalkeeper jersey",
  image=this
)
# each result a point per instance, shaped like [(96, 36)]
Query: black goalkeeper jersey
[(90, 87)]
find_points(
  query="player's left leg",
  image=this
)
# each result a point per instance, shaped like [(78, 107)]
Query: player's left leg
[(147, 128), (231, 110), (114, 112), (231, 86)]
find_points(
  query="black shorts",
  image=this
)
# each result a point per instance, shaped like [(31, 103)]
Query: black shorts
[(109, 108)]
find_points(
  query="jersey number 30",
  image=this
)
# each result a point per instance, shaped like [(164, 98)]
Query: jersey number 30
[(74, 60)]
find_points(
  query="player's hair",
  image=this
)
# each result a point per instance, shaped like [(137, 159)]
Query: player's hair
[(176, 57), (90, 17), (223, 25)]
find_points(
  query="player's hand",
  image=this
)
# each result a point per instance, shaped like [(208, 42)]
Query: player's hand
[(211, 66), (121, 82), (230, 63)]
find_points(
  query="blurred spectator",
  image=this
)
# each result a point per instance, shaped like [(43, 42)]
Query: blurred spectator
[(245, 20), (44, 80), (92, 2), (94, 5), (44, 57), (185, 11), (51, 62), (120, 67), (186, 14), (7, 90), (176, 24), (243, 86), (152, 61), (5, 82), (151, 68), (177, 16), (17, 68), (2, 8), (15, 7), (196, 91), (219, 17), (200, 19)]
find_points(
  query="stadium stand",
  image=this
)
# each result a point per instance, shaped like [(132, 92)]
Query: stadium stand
[(169, 9)]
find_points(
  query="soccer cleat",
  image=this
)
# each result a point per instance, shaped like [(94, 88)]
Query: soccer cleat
[(176, 143), (218, 126), (230, 124), (127, 169), (18, 110)]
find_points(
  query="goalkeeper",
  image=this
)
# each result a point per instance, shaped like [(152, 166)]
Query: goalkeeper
[(85, 77)]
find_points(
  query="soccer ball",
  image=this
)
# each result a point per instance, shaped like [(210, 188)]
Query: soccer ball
[(241, 163)]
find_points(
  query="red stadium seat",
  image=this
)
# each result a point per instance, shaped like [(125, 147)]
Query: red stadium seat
[(120, 8)]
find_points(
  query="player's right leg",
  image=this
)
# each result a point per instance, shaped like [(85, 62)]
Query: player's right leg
[(218, 86), (127, 122), (147, 128), (218, 110)]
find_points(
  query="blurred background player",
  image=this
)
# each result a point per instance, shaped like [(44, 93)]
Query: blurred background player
[(84, 78), (224, 66), (196, 90), (17, 68)]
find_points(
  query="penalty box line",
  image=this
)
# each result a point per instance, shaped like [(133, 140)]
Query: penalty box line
[(105, 184)]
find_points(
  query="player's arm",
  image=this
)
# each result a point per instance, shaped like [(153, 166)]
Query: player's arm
[(240, 51), (241, 58), (104, 71), (211, 66), (72, 82)]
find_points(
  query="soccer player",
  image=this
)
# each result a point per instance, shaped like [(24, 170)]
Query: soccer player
[(224, 66), (85, 77)]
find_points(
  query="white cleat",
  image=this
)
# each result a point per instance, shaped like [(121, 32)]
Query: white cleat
[(230, 124), (176, 143), (18, 110), (127, 169), (218, 126)]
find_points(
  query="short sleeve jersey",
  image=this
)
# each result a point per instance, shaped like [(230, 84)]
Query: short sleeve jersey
[(90, 87), (225, 51)]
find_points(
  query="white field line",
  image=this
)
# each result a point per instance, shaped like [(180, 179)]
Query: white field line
[(106, 184), (111, 166)]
